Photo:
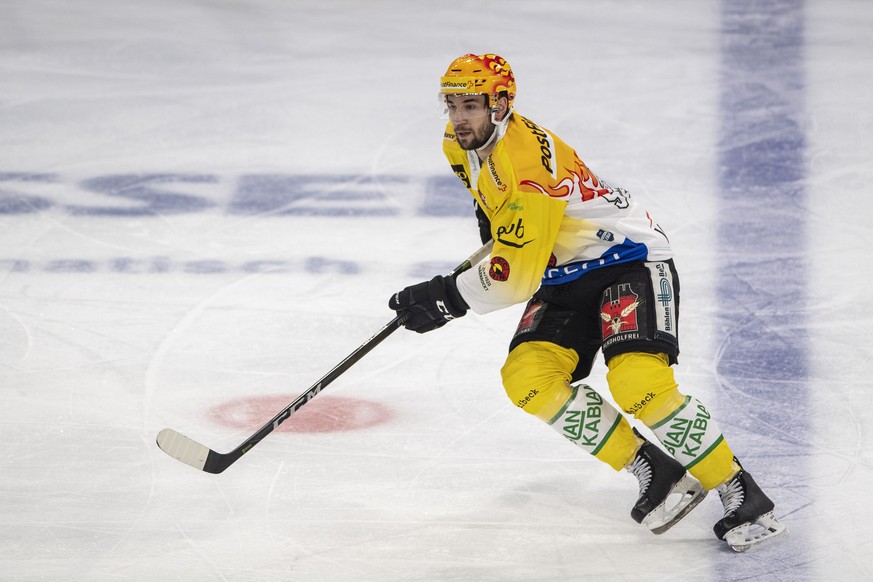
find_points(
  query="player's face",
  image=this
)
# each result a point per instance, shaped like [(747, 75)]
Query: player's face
[(471, 119)]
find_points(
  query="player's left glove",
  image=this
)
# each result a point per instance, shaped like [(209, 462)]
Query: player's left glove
[(429, 305)]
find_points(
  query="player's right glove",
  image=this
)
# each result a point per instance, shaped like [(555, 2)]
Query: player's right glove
[(429, 305)]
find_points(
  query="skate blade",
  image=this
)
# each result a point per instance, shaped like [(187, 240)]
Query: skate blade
[(764, 529), (684, 497)]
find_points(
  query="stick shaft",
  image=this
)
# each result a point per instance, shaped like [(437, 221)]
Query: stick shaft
[(200, 457)]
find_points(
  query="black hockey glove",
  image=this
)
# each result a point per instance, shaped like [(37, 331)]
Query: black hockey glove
[(484, 224), (429, 305)]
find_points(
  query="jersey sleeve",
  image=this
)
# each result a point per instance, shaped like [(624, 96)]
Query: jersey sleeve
[(524, 229)]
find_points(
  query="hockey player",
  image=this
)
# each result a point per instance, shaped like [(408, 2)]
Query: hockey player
[(598, 275)]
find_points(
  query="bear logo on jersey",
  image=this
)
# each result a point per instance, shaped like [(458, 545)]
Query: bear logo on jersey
[(619, 313), (499, 270)]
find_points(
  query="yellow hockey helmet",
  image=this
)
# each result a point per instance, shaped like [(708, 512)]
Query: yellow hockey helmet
[(487, 74)]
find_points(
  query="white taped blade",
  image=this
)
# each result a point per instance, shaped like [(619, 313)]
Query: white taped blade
[(182, 448)]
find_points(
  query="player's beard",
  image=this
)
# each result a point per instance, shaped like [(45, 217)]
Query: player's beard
[(479, 137)]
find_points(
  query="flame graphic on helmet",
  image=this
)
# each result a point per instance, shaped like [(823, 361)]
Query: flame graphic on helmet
[(486, 74), (499, 65)]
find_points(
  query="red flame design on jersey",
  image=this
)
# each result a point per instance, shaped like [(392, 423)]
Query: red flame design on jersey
[(579, 180)]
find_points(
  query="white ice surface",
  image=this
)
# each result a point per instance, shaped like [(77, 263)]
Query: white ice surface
[(115, 326)]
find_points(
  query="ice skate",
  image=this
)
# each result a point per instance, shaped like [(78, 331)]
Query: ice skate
[(667, 492), (748, 514)]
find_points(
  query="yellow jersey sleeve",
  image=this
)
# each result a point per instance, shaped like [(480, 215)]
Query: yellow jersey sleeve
[(524, 222), (524, 231)]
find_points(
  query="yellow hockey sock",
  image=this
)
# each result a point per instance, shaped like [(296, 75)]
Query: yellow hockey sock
[(644, 385), (594, 425), (536, 377), (695, 440)]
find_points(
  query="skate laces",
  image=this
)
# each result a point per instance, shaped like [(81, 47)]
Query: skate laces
[(732, 495), (642, 470)]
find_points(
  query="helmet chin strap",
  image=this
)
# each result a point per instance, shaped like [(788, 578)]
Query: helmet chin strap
[(499, 130)]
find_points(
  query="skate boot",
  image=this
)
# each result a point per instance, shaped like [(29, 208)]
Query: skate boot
[(748, 514), (667, 492)]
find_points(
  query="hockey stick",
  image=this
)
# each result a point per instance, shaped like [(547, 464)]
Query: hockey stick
[(201, 457)]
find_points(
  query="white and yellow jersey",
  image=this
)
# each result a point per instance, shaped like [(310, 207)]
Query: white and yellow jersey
[(552, 219)]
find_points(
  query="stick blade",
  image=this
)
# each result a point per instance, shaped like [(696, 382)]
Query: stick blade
[(183, 449)]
